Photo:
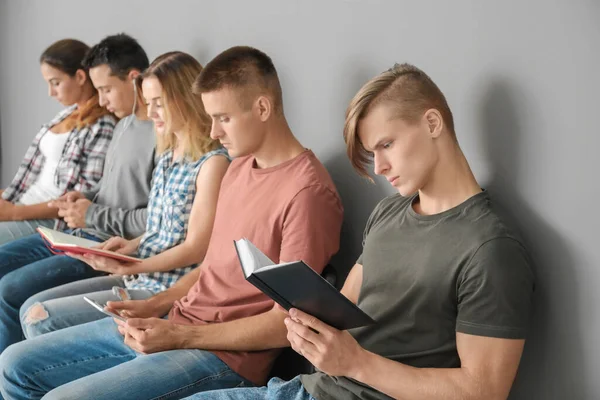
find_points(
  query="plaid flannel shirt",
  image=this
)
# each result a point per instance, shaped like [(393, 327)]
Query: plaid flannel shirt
[(81, 163), (169, 208)]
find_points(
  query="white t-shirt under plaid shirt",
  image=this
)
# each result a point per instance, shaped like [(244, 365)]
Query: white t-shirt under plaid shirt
[(169, 207)]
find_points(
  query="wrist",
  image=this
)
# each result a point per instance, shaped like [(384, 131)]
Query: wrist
[(187, 337), (160, 303), (16, 213), (361, 365)]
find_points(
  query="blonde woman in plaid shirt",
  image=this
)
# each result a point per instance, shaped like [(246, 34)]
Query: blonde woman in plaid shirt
[(181, 207), (67, 153)]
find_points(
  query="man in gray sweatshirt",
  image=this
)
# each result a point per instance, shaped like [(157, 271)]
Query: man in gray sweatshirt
[(117, 207)]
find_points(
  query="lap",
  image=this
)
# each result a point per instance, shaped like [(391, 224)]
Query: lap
[(276, 389), (27, 280), (167, 375), (91, 361), (21, 252)]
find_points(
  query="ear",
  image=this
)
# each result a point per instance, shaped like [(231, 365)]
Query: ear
[(134, 73), (435, 122), (264, 107), (80, 77)]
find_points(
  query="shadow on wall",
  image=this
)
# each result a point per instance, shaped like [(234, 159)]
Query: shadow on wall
[(552, 366), (359, 198), (1, 185)]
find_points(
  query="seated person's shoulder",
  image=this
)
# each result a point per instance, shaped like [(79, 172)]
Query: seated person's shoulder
[(388, 207)]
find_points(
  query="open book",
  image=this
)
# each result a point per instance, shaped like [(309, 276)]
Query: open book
[(296, 285), (60, 241)]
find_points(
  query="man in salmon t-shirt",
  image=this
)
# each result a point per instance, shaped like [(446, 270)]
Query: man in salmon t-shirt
[(221, 331)]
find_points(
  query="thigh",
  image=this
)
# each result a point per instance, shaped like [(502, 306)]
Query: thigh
[(166, 375), (276, 389), (64, 306), (26, 281), (12, 230), (46, 362), (21, 252)]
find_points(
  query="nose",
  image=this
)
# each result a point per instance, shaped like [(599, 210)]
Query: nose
[(51, 91), (102, 100), (381, 165), (151, 111), (215, 131)]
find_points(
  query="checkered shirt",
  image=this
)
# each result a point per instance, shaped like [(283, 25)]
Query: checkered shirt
[(169, 207)]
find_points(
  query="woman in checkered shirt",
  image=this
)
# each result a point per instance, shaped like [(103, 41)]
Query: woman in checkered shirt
[(67, 153), (181, 207)]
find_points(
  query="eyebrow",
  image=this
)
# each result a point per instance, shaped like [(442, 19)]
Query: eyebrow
[(217, 115), (379, 143)]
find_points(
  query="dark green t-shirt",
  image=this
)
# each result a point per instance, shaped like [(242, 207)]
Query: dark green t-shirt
[(426, 278)]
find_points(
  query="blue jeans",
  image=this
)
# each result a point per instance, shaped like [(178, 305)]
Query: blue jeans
[(90, 361), (276, 389), (13, 230), (63, 306), (27, 267)]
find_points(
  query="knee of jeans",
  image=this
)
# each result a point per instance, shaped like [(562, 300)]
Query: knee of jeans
[(9, 289), (11, 361), (32, 318)]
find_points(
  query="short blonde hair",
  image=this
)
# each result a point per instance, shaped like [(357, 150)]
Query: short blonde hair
[(176, 71), (403, 86)]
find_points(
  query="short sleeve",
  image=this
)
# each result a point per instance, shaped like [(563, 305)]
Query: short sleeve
[(312, 226), (495, 291)]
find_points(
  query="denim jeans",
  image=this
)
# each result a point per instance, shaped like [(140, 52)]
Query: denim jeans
[(27, 267), (90, 361), (276, 389), (13, 230), (63, 306)]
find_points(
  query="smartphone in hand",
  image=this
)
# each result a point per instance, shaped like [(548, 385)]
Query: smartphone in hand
[(102, 310)]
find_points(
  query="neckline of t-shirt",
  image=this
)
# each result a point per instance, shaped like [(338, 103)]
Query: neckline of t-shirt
[(284, 164), (454, 210)]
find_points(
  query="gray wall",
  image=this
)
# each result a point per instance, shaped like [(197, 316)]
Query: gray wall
[(521, 78)]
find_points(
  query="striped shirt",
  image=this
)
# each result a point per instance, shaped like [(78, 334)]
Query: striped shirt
[(80, 165), (169, 207)]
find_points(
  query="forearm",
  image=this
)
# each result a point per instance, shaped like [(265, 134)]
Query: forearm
[(180, 256), (259, 332), (404, 382), (116, 221), (164, 300), (35, 211)]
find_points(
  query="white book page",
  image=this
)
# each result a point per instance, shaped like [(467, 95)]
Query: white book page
[(259, 257), (246, 256), (63, 239)]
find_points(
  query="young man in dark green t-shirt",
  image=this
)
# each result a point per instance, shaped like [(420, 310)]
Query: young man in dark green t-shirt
[(449, 284)]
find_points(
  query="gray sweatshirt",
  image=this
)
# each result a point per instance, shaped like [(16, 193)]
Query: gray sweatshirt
[(119, 204)]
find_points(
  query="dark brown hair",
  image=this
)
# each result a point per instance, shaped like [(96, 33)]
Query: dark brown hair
[(67, 55)]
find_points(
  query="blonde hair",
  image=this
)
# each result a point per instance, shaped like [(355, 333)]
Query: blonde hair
[(404, 86), (176, 71)]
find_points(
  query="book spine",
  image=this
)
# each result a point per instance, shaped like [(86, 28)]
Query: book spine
[(266, 289)]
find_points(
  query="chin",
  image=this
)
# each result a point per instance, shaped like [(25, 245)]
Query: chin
[(406, 191)]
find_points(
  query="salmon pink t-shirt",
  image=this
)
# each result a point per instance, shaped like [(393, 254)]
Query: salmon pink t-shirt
[(291, 211)]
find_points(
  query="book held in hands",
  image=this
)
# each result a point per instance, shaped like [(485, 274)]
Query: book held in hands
[(296, 285), (62, 242)]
